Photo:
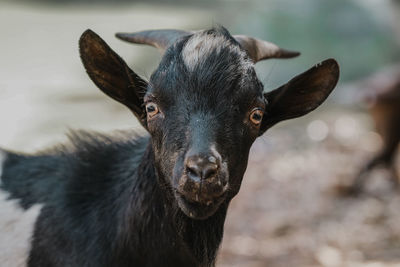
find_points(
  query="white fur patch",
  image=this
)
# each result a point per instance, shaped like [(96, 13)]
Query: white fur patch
[(202, 44), (16, 229)]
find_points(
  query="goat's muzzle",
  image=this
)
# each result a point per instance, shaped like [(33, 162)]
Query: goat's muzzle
[(203, 184)]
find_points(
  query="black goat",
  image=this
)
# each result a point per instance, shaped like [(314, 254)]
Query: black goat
[(157, 200)]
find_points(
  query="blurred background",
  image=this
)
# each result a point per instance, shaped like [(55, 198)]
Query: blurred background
[(290, 211)]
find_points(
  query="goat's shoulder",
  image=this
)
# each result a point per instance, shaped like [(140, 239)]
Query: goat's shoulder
[(103, 165), (91, 200), (87, 161)]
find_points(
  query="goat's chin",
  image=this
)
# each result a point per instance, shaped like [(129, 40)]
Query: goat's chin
[(197, 210)]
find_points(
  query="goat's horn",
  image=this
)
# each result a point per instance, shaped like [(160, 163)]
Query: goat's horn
[(260, 50), (160, 39)]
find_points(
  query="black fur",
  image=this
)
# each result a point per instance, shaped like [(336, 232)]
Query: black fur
[(102, 202), (116, 201)]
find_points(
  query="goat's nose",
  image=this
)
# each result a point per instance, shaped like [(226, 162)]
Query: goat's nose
[(201, 168)]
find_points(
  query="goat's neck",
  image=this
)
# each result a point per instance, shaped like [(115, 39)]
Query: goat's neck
[(153, 212)]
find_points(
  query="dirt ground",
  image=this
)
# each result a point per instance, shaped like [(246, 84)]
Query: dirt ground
[(288, 212)]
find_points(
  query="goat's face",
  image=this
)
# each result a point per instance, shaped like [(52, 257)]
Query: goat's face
[(204, 107), (204, 110)]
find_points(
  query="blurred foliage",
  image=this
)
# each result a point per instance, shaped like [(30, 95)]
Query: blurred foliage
[(119, 2), (320, 29), (343, 29)]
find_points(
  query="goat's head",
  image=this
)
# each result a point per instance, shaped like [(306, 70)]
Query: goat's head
[(204, 105)]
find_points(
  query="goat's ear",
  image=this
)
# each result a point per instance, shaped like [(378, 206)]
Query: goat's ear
[(111, 74), (302, 94)]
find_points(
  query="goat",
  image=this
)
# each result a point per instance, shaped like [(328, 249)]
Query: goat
[(382, 95), (158, 199)]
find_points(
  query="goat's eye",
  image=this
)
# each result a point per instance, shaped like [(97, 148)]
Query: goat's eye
[(256, 116), (152, 110)]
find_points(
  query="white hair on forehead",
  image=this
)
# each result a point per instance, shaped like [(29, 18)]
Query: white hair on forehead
[(202, 44)]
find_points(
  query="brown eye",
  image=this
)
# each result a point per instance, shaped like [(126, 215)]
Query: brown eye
[(256, 116), (152, 110)]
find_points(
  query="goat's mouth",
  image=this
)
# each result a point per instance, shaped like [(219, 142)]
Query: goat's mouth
[(198, 210)]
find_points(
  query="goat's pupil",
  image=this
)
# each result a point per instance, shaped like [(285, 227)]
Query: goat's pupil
[(151, 108), (257, 116)]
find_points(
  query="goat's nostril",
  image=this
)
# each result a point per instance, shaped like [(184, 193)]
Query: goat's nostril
[(200, 168), (209, 171), (193, 171)]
